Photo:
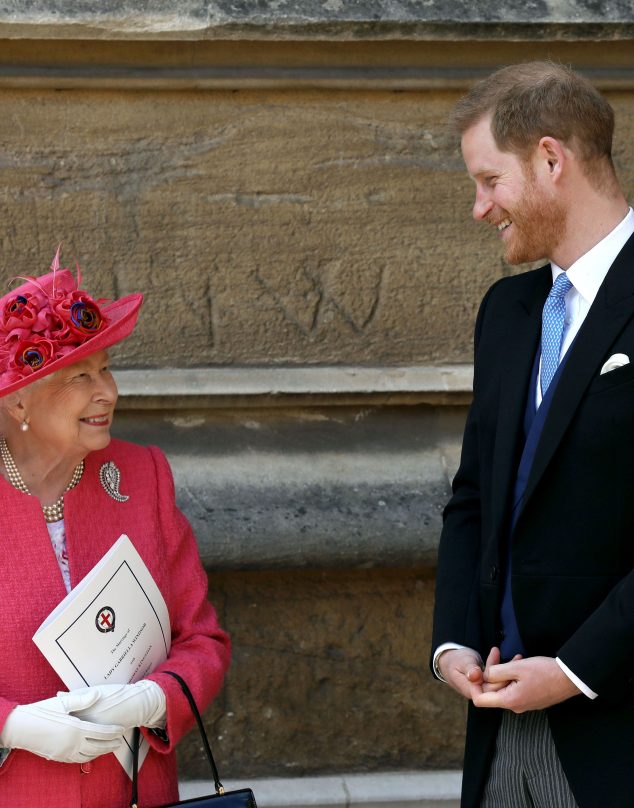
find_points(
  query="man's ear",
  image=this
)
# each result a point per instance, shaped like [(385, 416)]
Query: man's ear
[(552, 157)]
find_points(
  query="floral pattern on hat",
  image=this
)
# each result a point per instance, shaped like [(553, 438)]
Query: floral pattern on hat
[(37, 327)]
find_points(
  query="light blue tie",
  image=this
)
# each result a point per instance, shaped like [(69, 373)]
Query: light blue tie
[(553, 319)]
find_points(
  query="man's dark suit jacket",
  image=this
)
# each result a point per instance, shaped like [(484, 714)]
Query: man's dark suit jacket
[(573, 542)]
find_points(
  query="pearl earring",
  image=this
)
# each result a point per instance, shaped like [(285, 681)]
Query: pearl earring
[(24, 426)]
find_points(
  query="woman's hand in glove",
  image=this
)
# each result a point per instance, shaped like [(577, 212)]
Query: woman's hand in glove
[(47, 729), (138, 705)]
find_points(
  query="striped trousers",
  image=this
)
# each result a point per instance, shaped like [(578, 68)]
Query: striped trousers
[(526, 772)]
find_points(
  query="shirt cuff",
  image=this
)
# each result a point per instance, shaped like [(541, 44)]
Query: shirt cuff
[(576, 680), (448, 646)]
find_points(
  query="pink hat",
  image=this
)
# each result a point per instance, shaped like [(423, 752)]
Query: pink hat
[(48, 323)]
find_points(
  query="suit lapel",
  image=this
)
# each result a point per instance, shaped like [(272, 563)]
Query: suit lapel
[(516, 364), (613, 307)]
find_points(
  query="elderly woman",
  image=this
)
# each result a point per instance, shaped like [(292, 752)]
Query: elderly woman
[(59, 514)]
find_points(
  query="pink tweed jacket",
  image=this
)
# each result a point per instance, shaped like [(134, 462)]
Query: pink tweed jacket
[(31, 586)]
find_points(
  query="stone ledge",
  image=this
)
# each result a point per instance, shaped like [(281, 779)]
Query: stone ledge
[(372, 78), (315, 19), (217, 65), (327, 510), (186, 388), (438, 789), (338, 488)]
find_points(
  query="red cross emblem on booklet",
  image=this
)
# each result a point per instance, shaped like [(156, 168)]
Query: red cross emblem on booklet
[(105, 619)]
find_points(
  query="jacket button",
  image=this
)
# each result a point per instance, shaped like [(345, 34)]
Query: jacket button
[(493, 574)]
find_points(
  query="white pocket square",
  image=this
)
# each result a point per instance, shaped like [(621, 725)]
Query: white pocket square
[(617, 360)]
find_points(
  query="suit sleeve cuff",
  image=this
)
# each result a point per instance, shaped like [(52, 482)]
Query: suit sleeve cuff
[(574, 679), (448, 646)]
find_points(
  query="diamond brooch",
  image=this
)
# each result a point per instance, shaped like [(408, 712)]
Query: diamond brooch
[(110, 479)]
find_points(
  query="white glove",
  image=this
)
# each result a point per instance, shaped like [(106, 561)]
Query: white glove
[(138, 705), (46, 729)]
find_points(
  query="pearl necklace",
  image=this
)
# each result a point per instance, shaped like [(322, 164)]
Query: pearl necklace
[(52, 513)]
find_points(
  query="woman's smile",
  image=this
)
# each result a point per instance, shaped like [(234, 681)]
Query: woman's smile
[(96, 420)]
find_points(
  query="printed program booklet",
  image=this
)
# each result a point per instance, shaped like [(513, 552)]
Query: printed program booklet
[(113, 627)]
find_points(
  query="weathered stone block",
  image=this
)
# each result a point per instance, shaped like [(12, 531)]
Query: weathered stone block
[(326, 488), (329, 674), (263, 228), (332, 19)]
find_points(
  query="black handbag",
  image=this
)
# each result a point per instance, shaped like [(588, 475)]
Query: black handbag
[(242, 798)]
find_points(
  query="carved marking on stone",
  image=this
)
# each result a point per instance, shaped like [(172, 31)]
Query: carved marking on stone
[(353, 292), (300, 302), (210, 312)]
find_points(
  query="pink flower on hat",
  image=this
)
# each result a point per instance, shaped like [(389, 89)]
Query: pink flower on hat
[(79, 317), (30, 355), (25, 313)]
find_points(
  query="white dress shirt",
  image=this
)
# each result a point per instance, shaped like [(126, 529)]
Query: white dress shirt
[(586, 275)]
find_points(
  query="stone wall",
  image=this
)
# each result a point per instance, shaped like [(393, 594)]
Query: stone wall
[(329, 676), (269, 227), (333, 20)]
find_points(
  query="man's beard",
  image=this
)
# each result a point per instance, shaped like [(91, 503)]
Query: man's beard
[(538, 223)]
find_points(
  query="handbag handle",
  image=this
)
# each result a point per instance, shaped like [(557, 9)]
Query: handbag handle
[(137, 738)]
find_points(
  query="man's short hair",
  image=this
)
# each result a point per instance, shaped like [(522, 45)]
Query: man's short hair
[(534, 99)]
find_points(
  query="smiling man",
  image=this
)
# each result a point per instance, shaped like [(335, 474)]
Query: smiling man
[(534, 618)]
